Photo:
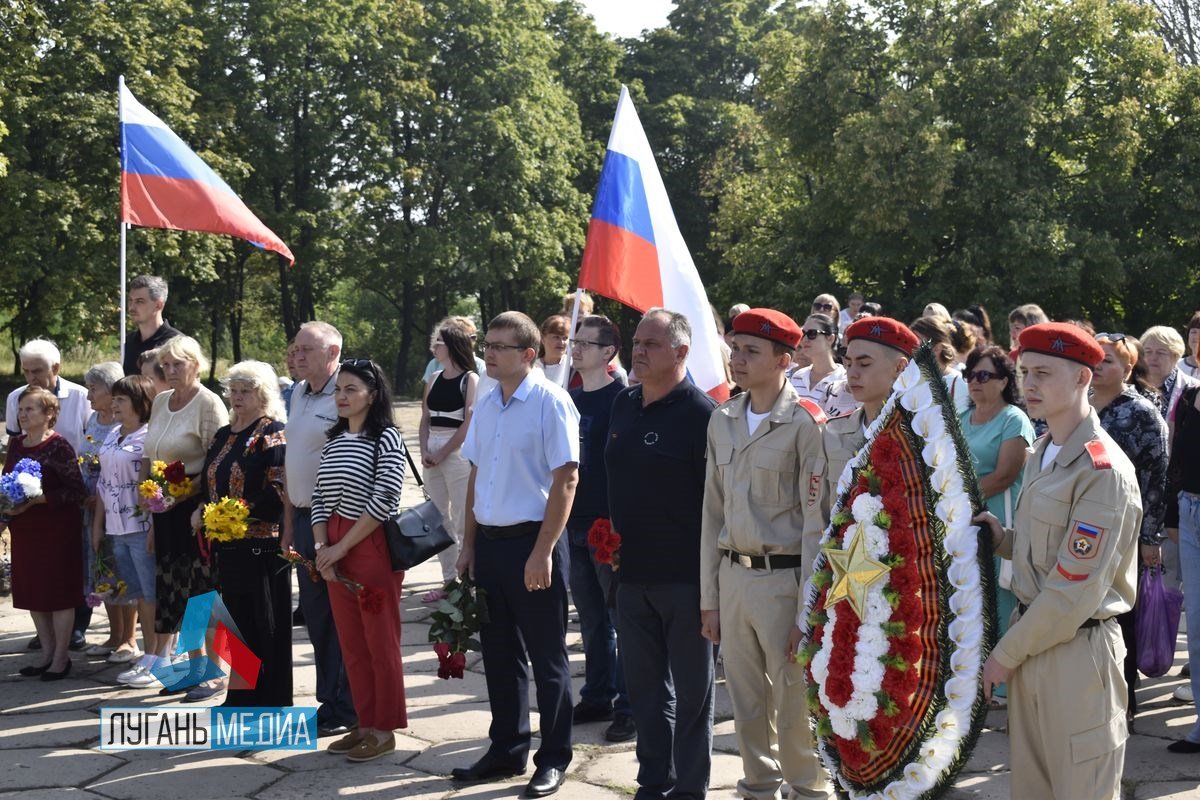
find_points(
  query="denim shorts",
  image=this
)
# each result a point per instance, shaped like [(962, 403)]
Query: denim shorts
[(134, 565)]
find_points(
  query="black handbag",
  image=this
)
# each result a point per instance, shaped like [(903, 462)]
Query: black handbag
[(416, 534)]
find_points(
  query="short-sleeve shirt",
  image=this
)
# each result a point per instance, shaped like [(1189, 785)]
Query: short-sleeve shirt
[(310, 416), (73, 412), (515, 446), (186, 434), (117, 484), (984, 443)]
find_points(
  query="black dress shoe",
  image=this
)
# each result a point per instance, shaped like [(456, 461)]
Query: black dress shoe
[(621, 730), (57, 676), (1184, 746), (334, 728), (590, 712), (33, 672), (545, 781), (486, 769), (34, 644)]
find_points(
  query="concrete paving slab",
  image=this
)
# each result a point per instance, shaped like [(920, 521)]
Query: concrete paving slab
[(1178, 790), (38, 768), (382, 779), (309, 760), (216, 777), (49, 729), (52, 794)]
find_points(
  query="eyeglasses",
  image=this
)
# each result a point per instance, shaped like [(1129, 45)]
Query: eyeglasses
[(981, 376), (812, 333), (499, 347), (439, 343), (585, 343), (1112, 337), (822, 306)]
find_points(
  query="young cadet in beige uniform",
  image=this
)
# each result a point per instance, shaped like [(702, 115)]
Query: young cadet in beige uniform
[(1074, 554), (877, 351), (760, 531)]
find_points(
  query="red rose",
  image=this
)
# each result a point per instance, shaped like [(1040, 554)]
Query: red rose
[(175, 473), (370, 600), (456, 664), (443, 650), (598, 533), (614, 540)]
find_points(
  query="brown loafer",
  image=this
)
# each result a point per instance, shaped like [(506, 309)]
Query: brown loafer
[(347, 743), (371, 748)]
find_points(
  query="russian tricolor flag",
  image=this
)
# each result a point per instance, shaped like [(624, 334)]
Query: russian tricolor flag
[(635, 253), (165, 185)]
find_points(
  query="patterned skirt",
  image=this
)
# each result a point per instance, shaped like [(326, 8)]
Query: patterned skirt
[(180, 570)]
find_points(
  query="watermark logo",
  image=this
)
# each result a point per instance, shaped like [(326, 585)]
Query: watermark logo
[(214, 728), (208, 624)]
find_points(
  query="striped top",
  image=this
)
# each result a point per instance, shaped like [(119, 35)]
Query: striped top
[(344, 484)]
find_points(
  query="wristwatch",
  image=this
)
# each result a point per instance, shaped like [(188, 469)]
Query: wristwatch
[(318, 546)]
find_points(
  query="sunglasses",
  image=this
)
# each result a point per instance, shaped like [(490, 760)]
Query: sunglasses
[(812, 333), (822, 306), (982, 376), (1112, 337), (359, 363)]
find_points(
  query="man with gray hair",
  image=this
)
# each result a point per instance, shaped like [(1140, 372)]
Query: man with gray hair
[(655, 460), (147, 298), (311, 412)]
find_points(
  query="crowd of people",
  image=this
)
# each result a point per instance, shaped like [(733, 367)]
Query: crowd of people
[(532, 435)]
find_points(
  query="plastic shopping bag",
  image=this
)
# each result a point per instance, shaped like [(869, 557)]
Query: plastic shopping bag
[(1158, 609)]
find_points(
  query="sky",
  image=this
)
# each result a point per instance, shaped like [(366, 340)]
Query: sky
[(628, 18)]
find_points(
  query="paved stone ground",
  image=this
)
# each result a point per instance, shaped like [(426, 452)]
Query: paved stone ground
[(49, 736)]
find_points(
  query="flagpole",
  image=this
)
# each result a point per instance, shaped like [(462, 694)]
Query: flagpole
[(120, 87), (566, 376)]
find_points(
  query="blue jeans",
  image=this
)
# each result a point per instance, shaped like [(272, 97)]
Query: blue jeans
[(1189, 562), (591, 583)]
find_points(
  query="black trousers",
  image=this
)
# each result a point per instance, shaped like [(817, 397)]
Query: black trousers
[(525, 628), (258, 595)]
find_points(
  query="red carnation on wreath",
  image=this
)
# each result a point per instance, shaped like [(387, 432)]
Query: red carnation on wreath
[(605, 542)]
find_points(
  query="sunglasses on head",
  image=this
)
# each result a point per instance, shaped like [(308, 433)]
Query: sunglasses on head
[(1112, 337), (812, 333), (822, 306), (981, 376)]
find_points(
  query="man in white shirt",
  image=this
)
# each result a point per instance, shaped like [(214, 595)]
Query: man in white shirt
[(312, 412), (40, 364), (848, 314), (523, 445)]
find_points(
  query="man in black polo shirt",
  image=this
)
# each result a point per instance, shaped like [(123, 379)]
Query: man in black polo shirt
[(147, 298), (656, 467)]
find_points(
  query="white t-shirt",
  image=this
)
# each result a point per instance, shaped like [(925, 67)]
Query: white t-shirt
[(1050, 454), (754, 420), (73, 412), (831, 392), (844, 320), (960, 393)]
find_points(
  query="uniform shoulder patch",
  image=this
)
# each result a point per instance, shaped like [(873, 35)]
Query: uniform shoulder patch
[(1085, 540), (1099, 454), (818, 414)]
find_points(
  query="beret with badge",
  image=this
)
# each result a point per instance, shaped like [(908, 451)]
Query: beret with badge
[(1062, 340), (769, 324), (885, 331)]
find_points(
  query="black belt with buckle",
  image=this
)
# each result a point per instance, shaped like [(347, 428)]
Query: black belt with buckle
[(510, 531), (780, 561), (1090, 622)]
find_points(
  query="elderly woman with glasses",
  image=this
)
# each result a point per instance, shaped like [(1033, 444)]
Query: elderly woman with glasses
[(1137, 427), (824, 380), (998, 434)]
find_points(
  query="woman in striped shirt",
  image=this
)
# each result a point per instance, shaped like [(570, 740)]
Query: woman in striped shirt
[(358, 486)]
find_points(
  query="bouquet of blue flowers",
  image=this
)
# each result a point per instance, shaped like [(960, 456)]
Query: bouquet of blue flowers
[(22, 484)]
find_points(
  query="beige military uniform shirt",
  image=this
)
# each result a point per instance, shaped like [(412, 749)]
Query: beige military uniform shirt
[(843, 439), (1074, 548), (763, 493)]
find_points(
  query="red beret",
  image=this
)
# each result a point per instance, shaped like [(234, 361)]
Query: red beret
[(769, 324), (885, 331), (1062, 340)]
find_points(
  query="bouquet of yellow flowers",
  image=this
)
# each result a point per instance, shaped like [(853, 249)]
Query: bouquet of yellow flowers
[(167, 485), (226, 520)]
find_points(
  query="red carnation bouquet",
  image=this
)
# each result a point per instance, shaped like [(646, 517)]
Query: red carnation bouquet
[(457, 617), (605, 543)]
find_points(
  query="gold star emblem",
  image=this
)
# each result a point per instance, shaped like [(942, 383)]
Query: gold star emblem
[(853, 573)]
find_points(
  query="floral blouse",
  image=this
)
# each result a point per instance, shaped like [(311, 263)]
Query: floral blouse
[(248, 464), (1138, 428)]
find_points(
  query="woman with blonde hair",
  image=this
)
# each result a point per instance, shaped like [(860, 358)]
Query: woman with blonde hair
[(937, 332), (1163, 348), (245, 461), (183, 421)]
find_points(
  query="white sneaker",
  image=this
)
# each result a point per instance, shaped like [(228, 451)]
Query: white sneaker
[(142, 680), (1183, 694), (130, 674), (123, 656)]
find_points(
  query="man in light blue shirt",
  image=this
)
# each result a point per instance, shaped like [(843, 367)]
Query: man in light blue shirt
[(523, 445)]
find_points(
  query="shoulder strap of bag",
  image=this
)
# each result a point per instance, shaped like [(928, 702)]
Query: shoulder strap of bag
[(412, 465)]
